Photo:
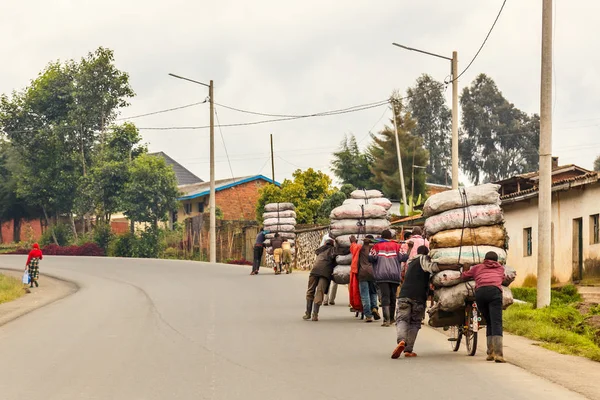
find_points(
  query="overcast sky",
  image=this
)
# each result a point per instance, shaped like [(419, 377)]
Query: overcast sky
[(291, 57)]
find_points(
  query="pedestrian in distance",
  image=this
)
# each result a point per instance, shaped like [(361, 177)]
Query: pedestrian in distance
[(286, 247), (488, 295), (386, 257), (276, 244), (410, 310), (331, 291), (33, 265), (415, 241), (259, 248), (319, 278), (366, 279)]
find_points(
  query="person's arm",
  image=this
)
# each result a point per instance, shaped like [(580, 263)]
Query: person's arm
[(28, 259), (402, 257), (470, 274), (373, 255)]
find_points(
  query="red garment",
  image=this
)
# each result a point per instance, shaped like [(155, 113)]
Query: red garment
[(34, 253), (354, 250), (490, 273), (355, 300)]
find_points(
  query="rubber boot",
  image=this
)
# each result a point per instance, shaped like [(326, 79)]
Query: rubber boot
[(309, 306), (386, 316), (490, 349), (498, 349), (315, 314), (392, 314), (376, 315)]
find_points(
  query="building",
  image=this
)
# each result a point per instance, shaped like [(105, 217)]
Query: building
[(235, 197), (183, 175), (575, 224)]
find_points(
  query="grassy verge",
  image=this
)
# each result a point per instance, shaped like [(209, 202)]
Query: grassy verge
[(561, 327), (10, 288)]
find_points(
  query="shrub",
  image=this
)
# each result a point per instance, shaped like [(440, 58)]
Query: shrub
[(149, 244), (88, 249), (171, 253), (565, 295), (123, 246), (63, 233), (103, 235), (241, 261)]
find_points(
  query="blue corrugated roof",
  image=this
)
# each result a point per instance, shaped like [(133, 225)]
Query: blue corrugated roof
[(229, 183)]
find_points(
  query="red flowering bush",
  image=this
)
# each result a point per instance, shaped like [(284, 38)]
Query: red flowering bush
[(240, 262), (88, 249)]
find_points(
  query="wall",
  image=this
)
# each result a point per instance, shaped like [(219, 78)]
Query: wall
[(30, 230), (580, 202)]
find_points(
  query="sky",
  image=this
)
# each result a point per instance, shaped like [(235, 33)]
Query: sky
[(289, 57)]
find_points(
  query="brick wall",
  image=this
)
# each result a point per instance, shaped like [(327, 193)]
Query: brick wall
[(33, 228), (239, 202)]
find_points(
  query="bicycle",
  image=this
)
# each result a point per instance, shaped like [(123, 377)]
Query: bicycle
[(468, 329)]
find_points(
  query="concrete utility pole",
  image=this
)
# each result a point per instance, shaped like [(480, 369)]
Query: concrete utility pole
[(544, 272), (212, 203), (454, 72), (454, 120), (399, 158), (272, 161)]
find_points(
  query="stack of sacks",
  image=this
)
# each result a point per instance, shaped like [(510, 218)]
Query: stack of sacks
[(365, 213), (280, 218), (462, 226)]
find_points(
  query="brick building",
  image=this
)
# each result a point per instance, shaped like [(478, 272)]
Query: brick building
[(30, 230), (235, 197)]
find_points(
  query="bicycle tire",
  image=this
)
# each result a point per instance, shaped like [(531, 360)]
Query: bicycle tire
[(456, 338), (471, 342)]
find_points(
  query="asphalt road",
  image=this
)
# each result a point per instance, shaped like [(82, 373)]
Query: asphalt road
[(149, 329)]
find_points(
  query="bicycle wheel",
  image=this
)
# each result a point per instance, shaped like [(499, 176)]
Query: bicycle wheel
[(455, 337), (471, 341)]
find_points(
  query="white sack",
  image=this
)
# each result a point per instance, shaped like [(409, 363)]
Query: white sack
[(467, 254), (341, 274), (356, 211), (471, 217), (507, 297), (271, 207), (280, 228), (279, 221), (382, 201), (284, 235), (509, 275), (281, 214), (267, 242), (454, 297), (354, 226), (446, 278), (366, 194), (343, 260), (452, 199)]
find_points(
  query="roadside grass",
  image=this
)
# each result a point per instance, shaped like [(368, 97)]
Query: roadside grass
[(10, 288), (561, 327)]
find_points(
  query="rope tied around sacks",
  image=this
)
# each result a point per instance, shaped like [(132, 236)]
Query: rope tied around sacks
[(467, 220), (362, 222)]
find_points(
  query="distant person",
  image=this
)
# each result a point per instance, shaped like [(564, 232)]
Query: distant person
[(319, 278), (386, 257), (276, 244), (405, 249), (416, 240), (33, 265), (366, 279), (331, 291), (259, 248), (410, 309), (488, 294), (286, 246)]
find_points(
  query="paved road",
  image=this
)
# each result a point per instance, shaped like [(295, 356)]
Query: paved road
[(149, 329)]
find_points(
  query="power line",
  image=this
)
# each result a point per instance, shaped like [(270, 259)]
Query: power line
[(161, 111)]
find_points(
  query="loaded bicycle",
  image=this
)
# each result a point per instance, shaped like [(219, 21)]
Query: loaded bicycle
[(472, 322)]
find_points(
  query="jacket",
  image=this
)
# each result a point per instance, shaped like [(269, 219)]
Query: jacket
[(386, 257), (489, 273), (416, 281), (354, 250), (365, 267), (260, 239), (416, 241), (34, 253), (325, 261), (276, 243)]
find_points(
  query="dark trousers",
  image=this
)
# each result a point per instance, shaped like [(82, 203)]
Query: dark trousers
[(388, 293), (317, 285), (258, 253), (489, 303), (409, 314)]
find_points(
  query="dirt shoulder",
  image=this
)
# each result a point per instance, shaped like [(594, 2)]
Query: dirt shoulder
[(50, 290)]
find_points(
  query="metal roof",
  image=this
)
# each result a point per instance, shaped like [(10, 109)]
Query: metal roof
[(183, 175), (203, 189)]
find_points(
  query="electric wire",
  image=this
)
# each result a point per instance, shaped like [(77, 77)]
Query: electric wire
[(161, 111)]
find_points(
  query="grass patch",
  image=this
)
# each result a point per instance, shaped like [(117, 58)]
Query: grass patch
[(10, 288), (561, 327)]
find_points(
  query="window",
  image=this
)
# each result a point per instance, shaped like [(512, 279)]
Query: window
[(595, 229), (200, 207), (527, 242), (187, 207)]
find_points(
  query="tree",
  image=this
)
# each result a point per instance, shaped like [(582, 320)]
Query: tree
[(350, 165), (385, 161), (151, 191), (307, 191), (427, 105), (597, 164), (336, 199), (497, 140)]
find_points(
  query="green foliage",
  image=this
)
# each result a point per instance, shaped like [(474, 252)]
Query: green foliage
[(559, 296), (149, 244), (597, 164), (10, 289), (103, 235), (62, 232), (335, 200), (124, 245), (497, 140), (351, 165), (385, 160), (427, 105), (307, 191)]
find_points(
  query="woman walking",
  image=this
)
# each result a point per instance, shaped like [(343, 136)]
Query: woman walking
[(33, 265)]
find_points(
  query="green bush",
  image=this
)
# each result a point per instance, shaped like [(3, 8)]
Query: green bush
[(123, 246), (103, 235), (564, 295), (150, 244), (63, 233)]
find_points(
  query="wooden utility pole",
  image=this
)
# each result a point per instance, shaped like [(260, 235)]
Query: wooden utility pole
[(272, 161), (544, 262), (454, 120), (212, 200), (399, 157)]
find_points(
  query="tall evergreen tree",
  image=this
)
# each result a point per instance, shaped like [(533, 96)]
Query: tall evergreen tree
[(597, 164), (351, 165)]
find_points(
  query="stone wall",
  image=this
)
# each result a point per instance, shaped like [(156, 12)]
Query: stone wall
[(307, 241)]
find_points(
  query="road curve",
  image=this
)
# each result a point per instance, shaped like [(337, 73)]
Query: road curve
[(153, 329)]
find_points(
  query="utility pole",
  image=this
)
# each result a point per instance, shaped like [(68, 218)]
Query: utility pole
[(544, 271), (399, 157), (454, 120), (272, 161), (212, 200)]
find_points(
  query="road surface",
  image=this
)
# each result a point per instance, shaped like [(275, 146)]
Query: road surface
[(151, 329)]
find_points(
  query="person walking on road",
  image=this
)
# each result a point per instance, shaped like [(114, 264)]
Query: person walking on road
[(259, 248), (319, 278), (331, 291), (276, 244), (33, 265), (286, 248), (488, 294), (386, 257), (366, 279), (415, 241), (410, 310)]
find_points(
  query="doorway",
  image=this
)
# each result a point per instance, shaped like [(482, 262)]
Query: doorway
[(577, 249)]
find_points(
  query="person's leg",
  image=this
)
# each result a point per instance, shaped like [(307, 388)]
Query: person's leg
[(416, 316), (365, 299), (373, 300), (385, 288), (495, 310), (333, 293), (323, 283), (393, 291), (482, 300), (313, 281), (402, 325)]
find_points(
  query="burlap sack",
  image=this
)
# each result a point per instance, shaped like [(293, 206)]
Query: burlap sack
[(344, 259), (279, 221), (281, 214), (382, 201), (366, 194), (507, 297), (341, 274), (454, 297), (272, 207), (465, 255), (353, 226), (471, 217), (280, 228), (284, 235), (440, 318), (509, 275), (494, 235), (356, 211), (451, 199), (446, 278)]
